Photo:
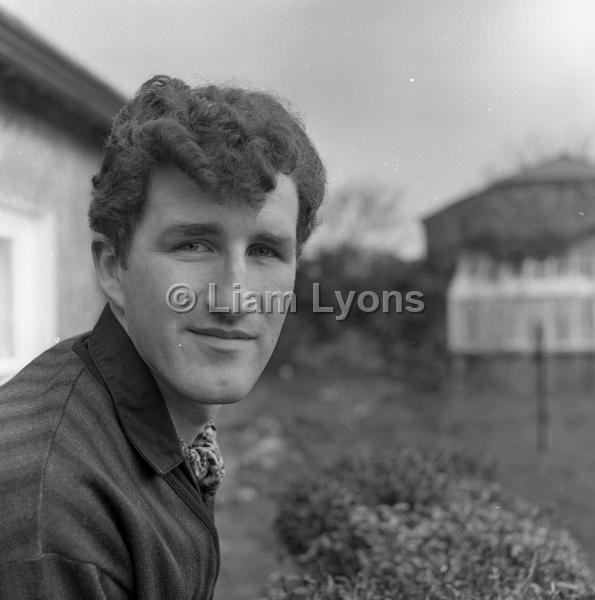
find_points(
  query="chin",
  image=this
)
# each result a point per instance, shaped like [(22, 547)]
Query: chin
[(220, 392)]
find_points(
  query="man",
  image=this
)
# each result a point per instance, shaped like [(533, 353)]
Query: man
[(109, 458)]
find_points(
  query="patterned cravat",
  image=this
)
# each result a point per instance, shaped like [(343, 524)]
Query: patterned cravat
[(205, 459)]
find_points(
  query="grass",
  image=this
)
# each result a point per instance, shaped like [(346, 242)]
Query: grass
[(320, 417)]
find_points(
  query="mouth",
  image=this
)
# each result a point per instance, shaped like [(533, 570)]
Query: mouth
[(224, 334)]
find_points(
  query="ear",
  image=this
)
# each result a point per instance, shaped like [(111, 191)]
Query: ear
[(109, 270)]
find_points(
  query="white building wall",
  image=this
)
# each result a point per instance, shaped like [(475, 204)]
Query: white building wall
[(44, 196), (499, 307)]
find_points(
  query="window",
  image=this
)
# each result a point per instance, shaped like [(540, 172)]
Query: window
[(563, 264), (472, 322), (534, 321), (562, 321), (586, 318), (28, 307), (508, 320)]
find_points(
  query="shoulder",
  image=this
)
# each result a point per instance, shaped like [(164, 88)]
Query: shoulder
[(50, 375), (35, 407), (33, 402)]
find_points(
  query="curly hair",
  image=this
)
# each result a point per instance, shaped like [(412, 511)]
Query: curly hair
[(233, 142)]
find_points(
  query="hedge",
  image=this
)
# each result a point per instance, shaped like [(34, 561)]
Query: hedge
[(418, 527)]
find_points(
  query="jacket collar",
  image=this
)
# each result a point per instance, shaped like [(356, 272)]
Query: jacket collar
[(139, 403)]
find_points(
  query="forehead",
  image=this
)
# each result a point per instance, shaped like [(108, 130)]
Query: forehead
[(174, 196)]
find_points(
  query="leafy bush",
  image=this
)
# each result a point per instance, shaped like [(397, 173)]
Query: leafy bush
[(412, 527)]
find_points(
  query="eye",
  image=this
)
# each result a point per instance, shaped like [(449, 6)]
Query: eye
[(194, 246), (263, 252)]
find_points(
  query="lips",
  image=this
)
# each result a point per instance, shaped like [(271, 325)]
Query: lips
[(224, 334)]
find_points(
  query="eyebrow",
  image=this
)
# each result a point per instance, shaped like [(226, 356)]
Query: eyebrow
[(182, 230), (275, 240), (187, 230)]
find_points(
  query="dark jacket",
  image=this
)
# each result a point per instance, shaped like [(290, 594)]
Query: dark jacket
[(96, 501)]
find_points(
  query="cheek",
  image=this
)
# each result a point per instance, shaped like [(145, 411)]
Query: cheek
[(138, 277), (281, 278), (283, 282), (275, 313), (145, 293)]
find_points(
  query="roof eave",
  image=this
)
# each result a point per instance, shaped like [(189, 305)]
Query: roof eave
[(28, 58)]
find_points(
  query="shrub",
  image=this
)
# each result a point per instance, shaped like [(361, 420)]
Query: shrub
[(421, 528)]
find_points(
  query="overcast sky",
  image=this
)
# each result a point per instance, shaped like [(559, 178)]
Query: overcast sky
[(422, 95)]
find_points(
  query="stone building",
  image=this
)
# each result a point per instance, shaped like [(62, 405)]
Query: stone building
[(522, 257), (53, 119)]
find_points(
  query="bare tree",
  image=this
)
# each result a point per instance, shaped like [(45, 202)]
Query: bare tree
[(366, 215)]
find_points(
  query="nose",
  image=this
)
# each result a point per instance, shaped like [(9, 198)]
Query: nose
[(227, 288)]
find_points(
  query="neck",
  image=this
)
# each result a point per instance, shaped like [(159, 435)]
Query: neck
[(189, 425), (188, 416)]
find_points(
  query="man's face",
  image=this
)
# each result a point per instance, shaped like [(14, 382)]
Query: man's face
[(186, 236)]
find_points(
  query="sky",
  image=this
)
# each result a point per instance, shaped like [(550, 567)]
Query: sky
[(428, 98)]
